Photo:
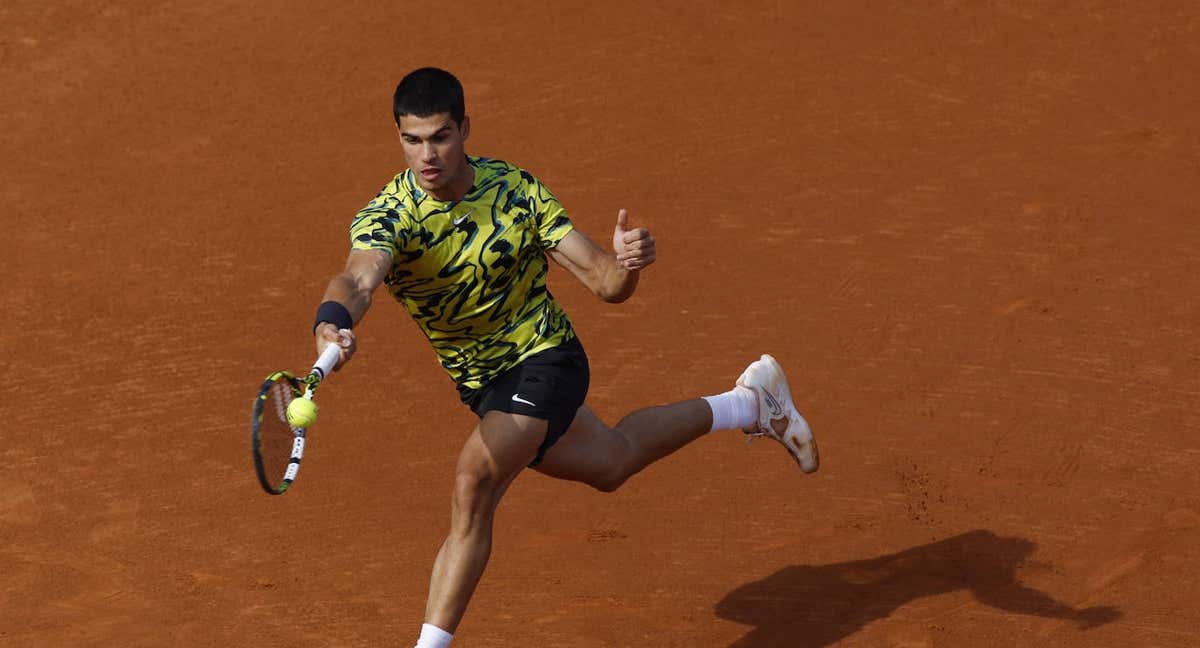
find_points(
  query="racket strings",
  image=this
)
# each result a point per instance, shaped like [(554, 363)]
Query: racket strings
[(276, 435), (281, 397)]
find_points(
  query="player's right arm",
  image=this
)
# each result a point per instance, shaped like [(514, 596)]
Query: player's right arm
[(352, 289)]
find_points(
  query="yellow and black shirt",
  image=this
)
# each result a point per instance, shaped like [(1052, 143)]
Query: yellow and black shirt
[(472, 273)]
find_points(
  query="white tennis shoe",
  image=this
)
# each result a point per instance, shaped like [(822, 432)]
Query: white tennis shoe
[(777, 415)]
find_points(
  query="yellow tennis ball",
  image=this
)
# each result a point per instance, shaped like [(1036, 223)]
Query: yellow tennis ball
[(301, 413)]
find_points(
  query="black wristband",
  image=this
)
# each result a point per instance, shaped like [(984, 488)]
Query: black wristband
[(333, 313)]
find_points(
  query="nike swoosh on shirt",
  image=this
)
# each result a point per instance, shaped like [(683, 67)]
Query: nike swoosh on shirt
[(518, 399)]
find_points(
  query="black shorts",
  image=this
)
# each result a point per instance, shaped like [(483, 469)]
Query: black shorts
[(549, 385)]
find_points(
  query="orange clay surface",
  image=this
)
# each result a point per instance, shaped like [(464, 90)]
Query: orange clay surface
[(968, 230)]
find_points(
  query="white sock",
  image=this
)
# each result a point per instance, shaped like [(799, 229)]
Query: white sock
[(733, 410), (433, 637)]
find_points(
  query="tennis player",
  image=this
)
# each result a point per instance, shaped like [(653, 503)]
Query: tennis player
[(462, 243)]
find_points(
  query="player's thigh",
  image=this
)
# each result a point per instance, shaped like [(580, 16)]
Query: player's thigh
[(588, 450), (500, 446)]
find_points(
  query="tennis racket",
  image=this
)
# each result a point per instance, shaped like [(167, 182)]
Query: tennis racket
[(277, 445)]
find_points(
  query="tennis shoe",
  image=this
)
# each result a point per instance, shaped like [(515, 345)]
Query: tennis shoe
[(777, 415)]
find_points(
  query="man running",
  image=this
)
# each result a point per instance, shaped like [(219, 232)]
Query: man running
[(462, 242)]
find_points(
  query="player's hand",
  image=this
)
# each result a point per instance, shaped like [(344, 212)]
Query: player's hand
[(329, 334), (634, 247)]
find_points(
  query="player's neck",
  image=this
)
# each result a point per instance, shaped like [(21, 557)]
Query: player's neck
[(459, 185)]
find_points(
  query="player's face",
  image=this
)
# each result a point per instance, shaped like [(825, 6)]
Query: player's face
[(433, 148)]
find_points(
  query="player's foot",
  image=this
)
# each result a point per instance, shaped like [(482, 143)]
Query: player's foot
[(777, 416)]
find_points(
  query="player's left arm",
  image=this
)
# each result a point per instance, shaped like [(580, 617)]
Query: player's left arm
[(612, 276)]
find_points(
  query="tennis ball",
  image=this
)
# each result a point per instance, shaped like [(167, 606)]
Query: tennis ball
[(301, 413)]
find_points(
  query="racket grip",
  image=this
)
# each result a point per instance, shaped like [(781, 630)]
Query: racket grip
[(328, 359)]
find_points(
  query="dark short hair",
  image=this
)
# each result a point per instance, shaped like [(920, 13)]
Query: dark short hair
[(429, 91)]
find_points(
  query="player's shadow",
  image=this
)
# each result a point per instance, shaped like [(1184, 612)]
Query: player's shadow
[(806, 606)]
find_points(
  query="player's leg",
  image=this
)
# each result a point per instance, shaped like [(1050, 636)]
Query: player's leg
[(604, 457), (501, 445), (523, 410)]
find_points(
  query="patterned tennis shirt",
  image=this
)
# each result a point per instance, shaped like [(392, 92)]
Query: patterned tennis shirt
[(472, 272)]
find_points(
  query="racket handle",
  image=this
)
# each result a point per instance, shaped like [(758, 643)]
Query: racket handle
[(328, 359)]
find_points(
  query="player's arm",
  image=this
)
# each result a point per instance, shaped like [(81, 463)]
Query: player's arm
[(347, 299), (612, 276)]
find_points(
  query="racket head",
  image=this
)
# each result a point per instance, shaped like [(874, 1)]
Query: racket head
[(277, 446)]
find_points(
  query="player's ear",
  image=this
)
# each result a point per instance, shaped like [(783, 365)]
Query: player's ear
[(465, 127)]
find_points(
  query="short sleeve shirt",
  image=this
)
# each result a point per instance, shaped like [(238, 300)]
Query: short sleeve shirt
[(472, 273)]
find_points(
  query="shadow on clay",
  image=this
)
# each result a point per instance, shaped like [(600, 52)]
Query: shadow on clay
[(806, 606)]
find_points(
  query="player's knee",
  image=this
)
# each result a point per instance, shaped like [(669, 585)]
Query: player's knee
[(619, 464), (610, 481), (473, 489)]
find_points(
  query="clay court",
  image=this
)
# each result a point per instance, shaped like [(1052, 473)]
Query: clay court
[(969, 230)]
